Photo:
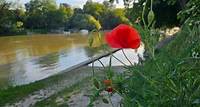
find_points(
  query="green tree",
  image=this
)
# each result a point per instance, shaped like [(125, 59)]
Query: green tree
[(44, 14), (37, 11), (59, 18), (78, 10), (85, 21), (95, 9), (114, 17), (11, 20)]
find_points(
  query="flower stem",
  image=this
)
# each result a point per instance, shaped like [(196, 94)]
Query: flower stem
[(119, 60), (102, 63), (93, 69), (143, 12), (127, 57)]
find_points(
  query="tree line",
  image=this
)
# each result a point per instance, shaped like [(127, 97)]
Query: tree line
[(45, 16)]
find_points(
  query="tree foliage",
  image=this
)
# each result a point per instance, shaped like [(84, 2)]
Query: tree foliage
[(95, 9), (37, 13), (46, 15), (10, 20), (85, 21), (112, 18), (106, 13)]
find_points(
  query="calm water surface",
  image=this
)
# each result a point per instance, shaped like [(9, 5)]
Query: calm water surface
[(25, 59)]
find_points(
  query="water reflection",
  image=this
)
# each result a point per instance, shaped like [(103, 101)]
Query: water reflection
[(132, 55), (25, 59)]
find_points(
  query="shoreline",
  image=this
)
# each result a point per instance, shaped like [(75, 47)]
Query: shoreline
[(43, 89)]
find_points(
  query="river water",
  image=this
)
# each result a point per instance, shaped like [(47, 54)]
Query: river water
[(26, 59)]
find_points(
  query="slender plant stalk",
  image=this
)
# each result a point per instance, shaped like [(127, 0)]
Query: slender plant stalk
[(120, 61), (93, 69), (102, 63), (127, 57), (143, 12)]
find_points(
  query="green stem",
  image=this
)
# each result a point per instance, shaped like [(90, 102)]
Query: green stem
[(102, 63), (143, 12), (120, 61), (114, 56), (127, 57), (93, 69), (151, 4)]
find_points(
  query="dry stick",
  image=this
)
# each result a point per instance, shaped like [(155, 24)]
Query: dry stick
[(127, 57)]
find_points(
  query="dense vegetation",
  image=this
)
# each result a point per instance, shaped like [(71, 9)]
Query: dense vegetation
[(170, 79)]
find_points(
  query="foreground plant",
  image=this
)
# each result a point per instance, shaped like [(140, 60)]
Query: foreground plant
[(169, 78), (121, 37)]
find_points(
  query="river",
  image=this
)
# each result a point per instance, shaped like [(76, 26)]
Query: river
[(26, 59)]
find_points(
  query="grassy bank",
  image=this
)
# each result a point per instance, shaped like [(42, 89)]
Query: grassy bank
[(64, 94), (13, 94), (171, 79)]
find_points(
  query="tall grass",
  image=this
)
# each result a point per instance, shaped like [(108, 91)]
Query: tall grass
[(171, 79)]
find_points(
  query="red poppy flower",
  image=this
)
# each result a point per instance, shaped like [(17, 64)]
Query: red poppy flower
[(109, 89), (107, 82), (123, 36)]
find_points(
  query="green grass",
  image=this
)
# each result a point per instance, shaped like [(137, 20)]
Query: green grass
[(171, 79), (13, 94)]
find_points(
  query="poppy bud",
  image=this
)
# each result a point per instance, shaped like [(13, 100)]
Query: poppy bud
[(109, 89), (150, 17), (107, 82)]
